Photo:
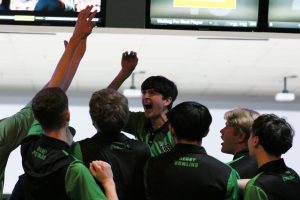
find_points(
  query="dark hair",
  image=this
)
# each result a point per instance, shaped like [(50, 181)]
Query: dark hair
[(109, 110), (163, 86), (49, 107), (190, 120), (275, 134)]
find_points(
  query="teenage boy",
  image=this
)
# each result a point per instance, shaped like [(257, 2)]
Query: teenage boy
[(158, 95), (271, 137), (13, 129), (127, 157), (50, 171), (187, 172), (235, 136)]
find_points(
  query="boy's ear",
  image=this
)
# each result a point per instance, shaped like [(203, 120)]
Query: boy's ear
[(68, 116), (256, 141), (241, 138), (167, 101)]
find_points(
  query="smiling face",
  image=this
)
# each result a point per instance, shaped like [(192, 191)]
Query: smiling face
[(154, 104)]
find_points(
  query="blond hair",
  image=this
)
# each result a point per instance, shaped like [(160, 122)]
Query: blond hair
[(242, 119)]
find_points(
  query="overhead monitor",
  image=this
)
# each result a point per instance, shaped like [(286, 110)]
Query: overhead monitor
[(284, 15), (47, 12), (199, 14)]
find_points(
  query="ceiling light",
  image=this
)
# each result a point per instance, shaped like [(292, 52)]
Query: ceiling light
[(132, 93), (285, 95)]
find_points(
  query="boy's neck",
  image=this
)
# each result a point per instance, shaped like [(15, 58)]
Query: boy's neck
[(61, 134), (159, 121)]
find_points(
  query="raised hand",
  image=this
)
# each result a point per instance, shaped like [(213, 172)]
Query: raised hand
[(128, 62), (74, 51), (84, 24)]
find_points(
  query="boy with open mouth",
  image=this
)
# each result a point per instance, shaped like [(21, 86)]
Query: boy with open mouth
[(158, 95)]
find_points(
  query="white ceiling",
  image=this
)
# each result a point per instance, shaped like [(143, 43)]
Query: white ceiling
[(200, 62)]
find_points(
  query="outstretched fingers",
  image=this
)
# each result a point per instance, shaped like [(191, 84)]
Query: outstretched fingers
[(84, 14), (84, 25), (125, 54), (92, 15), (133, 54)]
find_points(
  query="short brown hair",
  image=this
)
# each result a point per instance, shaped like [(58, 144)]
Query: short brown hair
[(109, 110)]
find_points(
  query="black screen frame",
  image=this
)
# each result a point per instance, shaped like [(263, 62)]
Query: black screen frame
[(260, 26), (278, 29), (32, 17)]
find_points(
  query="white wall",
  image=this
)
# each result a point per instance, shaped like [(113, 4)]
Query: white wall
[(81, 121)]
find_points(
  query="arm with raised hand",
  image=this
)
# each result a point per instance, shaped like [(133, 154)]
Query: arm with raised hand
[(68, 63), (128, 62), (13, 129), (102, 172), (78, 55)]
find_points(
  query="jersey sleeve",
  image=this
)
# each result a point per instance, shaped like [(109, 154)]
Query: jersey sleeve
[(13, 129), (253, 192), (135, 121), (80, 184), (76, 151), (232, 186)]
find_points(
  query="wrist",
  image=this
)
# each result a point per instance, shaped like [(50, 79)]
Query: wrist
[(125, 73), (109, 183)]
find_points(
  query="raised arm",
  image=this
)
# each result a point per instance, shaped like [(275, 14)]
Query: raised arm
[(13, 129), (74, 51), (67, 65), (102, 172), (128, 63), (78, 55)]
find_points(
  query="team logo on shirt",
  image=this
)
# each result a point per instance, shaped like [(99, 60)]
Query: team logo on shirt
[(120, 145), (40, 153), (166, 147), (186, 162)]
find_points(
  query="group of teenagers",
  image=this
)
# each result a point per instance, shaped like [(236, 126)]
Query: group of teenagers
[(166, 161)]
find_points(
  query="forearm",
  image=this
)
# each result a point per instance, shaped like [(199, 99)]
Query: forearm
[(110, 190), (13, 129), (118, 80), (78, 55), (128, 63), (59, 77)]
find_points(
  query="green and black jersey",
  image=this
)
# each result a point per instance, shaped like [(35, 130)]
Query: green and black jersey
[(126, 156), (159, 141), (187, 172), (52, 173), (274, 181), (244, 164), (12, 131)]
